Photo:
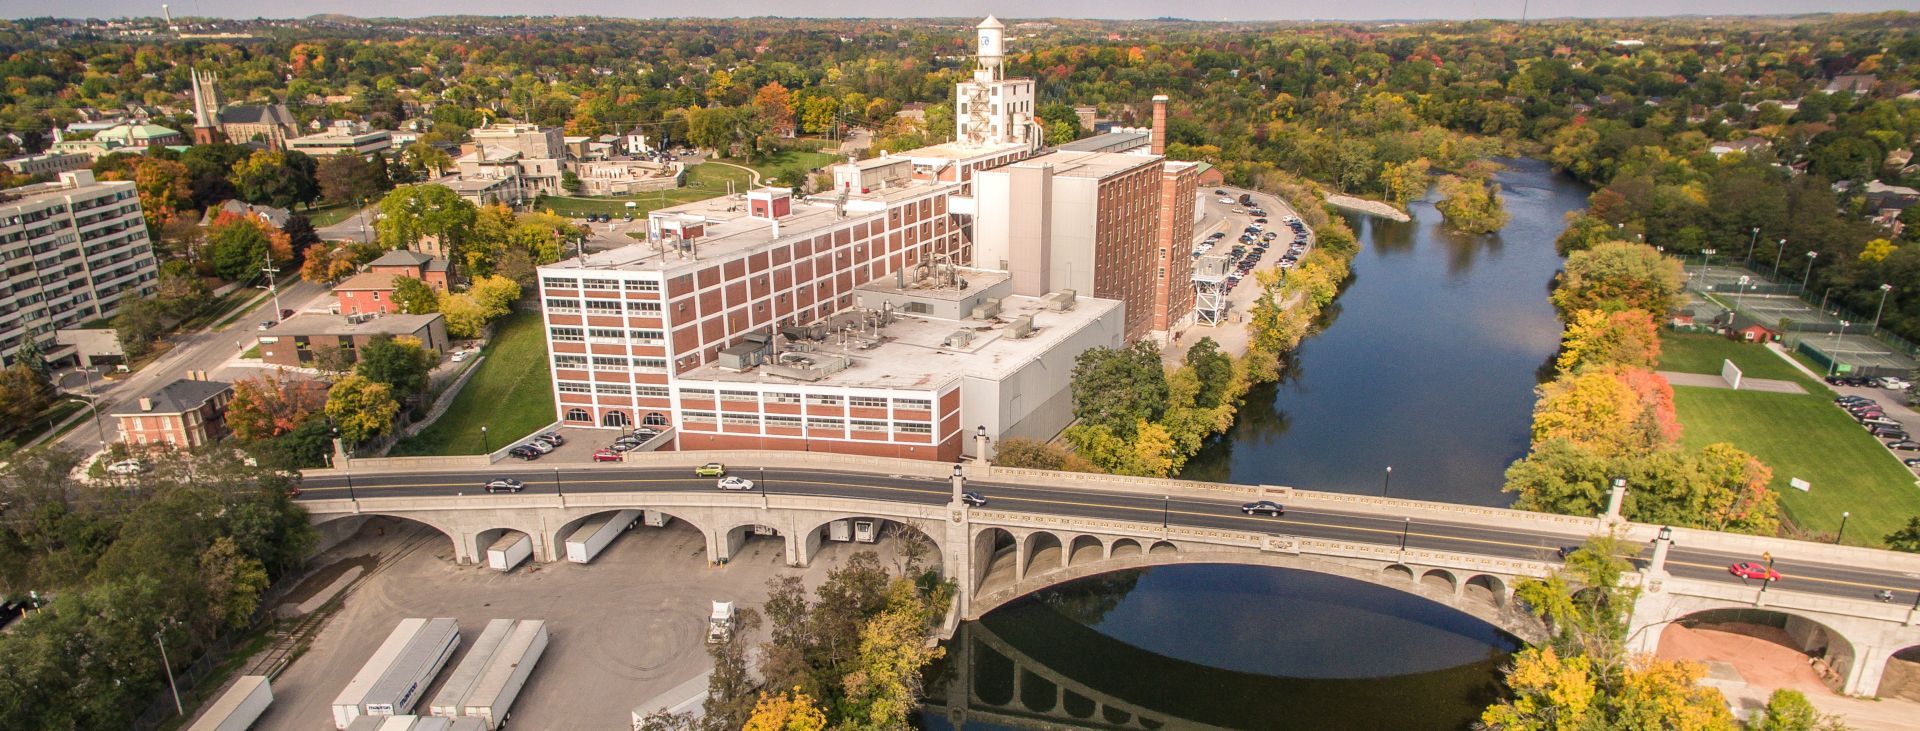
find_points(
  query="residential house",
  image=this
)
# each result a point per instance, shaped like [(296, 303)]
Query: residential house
[(1852, 84), (185, 414), (298, 340), (275, 217), (1746, 146)]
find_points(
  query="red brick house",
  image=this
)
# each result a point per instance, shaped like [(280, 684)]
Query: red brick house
[(371, 291), (183, 414)]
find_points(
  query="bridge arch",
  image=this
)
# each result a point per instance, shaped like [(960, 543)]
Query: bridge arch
[(1043, 552), (1085, 549), (998, 583), (1830, 652), (1487, 588), (810, 532), (335, 528), (1900, 676)]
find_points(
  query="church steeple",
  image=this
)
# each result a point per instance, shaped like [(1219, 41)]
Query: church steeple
[(206, 107)]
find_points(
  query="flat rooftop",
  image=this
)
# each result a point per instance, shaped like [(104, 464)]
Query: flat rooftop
[(931, 289), (321, 324), (915, 354), (1109, 141), (1069, 164), (731, 232), (959, 151)]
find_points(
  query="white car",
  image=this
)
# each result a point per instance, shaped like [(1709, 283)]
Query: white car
[(1228, 201), (459, 355), (1896, 384), (540, 444), (126, 467), (734, 483)]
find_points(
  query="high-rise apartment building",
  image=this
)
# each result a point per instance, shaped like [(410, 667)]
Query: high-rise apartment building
[(70, 251)]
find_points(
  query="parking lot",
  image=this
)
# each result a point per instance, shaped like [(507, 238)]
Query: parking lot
[(1217, 217), (1893, 406), (626, 629)]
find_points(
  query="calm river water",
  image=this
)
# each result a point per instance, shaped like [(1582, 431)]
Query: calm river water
[(1427, 364)]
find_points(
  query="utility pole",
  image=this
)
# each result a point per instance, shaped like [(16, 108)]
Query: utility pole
[(159, 636), (273, 287)]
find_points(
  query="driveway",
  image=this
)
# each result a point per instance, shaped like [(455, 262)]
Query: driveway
[(357, 227)]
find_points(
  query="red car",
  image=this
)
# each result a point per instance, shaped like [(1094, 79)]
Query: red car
[(1754, 570), (605, 455)]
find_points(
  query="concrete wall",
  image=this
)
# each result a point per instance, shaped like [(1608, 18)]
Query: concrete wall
[(1036, 401), (1075, 225)]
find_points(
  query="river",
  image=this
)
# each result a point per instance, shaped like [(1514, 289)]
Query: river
[(1426, 363)]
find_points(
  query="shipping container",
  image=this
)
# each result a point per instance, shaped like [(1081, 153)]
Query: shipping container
[(865, 531), (239, 707), (453, 693), (399, 690), (509, 551), (349, 704), (596, 534), (841, 530), (493, 697), (657, 519)]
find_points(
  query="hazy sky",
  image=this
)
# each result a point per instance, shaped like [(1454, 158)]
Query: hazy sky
[(1196, 9)]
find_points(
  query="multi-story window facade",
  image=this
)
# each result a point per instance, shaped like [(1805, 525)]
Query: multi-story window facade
[(70, 252)]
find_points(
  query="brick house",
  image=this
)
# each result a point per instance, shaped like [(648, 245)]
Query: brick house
[(185, 414), (371, 291), (295, 342)]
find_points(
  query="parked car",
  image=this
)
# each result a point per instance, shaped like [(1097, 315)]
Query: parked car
[(126, 467), (1263, 507), (267, 325), (1911, 461), (1754, 570), (1564, 551), (552, 437), (506, 484), (542, 447), (1222, 192), (459, 355), (734, 483), (524, 452), (606, 455), (1894, 384), (1904, 445), (973, 499), (710, 469)]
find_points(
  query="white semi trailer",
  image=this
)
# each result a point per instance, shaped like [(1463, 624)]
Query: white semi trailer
[(507, 672), (509, 551), (596, 534), (239, 707), (453, 693)]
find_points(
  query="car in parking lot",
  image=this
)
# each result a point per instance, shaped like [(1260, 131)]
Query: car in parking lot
[(1911, 461), (710, 469), (972, 498), (543, 447), (524, 452), (606, 455), (1884, 431), (1263, 507), (505, 484), (1754, 570), (1894, 384), (126, 467), (1904, 445), (1226, 200), (1220, 192), (552, 437), (734, 483)]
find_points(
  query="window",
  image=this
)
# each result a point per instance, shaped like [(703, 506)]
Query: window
[(815, 399), (653, 307), (650, 391), (697, 417), (555, 304), (569, 361), (603, 307), (600, 284), (559, 283), (912, 403), (869, 425), (867, 402), (607, 333), (783, 422), (566, 334), (647, 335), (643, 285), (579, 415), (824, 423), (696, 393), (781, 397), (618, 389), (738, 396), (740, 419), (654, 418), (573, 387), (656, 364), (609, 363), (913, 427)]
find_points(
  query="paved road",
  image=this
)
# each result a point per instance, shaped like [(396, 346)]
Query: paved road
[(357, 227), (1801, 576)]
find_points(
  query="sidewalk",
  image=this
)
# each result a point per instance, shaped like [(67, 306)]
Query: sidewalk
[(1703, 380)]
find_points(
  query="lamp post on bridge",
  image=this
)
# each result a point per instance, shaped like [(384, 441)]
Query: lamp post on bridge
[(959, 482), (1615, 498), (1406, 523), (1166, 506), (1657, 568), (1387, 481)]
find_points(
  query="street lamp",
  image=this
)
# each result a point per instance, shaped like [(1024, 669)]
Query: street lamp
[(485, 446), (556, 483), (1843, 526), (160, 637), (1707, 261), (1779, 254), (1750, 242), (1166, 506), (1884, 290), (1404, 525), (1833, 360), (1387, 481), (1804, 280), (1740, 294)]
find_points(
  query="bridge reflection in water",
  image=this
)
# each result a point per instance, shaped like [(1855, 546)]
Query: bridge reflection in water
[(1038, 664)]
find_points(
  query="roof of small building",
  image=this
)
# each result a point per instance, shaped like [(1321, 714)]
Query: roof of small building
[(321, 324), (276, 216), (403, 257), (367, 281), (257, 114), (178, 397)]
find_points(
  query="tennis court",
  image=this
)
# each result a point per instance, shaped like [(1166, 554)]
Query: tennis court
[(1857, 351), (1770, 309), (1725, 279)]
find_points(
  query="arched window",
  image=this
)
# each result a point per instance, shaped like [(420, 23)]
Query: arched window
[(579, 415), (654, 418), (615, 418)]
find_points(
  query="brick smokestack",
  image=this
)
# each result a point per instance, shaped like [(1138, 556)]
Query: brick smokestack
[(1159, 124)]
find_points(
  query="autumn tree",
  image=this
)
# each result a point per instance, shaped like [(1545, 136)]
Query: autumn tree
[(414, 296), (1471, 205), (773, 105), (1036, 454), (1593, 409), (272, 403), (162, 187), (786, 711), (416, 212), (883, 683), (1595, 338), (1617, 276), (361, 408)]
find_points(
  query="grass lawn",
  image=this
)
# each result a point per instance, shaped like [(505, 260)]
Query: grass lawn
[(46, 420), (780, 161), (703, 181), (511, 395), (330, 214), (1703, 353)]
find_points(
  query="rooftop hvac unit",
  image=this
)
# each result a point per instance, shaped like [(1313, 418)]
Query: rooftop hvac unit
[(959, 339), (987, 309), (1061, 301), (1022, 326)]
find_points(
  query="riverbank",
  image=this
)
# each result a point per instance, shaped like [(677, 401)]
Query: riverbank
[(1368, 207)]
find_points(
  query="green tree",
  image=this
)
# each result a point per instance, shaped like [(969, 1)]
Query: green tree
[(348, 178), (276, 178), (414, 296), (232, 580), (361, 408), (1617, 276), (1789, 710), (731, 688), (1119, 388), (138, 324), (402, 363), (1470, 205), (1214, 371), (883, 683), (416, 212), (1907, 538), (24, 393), (426, 158)]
